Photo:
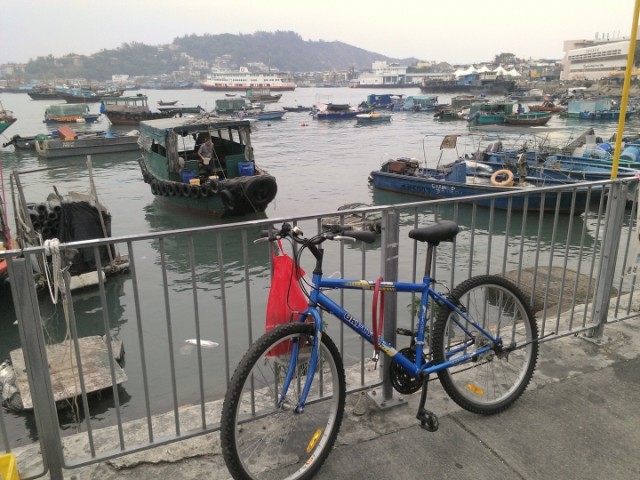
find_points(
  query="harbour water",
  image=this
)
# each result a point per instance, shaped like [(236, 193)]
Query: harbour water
[(319, 166)]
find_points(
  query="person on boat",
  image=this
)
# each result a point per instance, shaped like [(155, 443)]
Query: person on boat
[(520, 108), (205, 152)]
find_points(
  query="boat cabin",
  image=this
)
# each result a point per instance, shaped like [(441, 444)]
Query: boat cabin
[(135, 104), (170, 146)]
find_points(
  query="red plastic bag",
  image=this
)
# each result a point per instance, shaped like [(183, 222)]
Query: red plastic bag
[(286, 298)]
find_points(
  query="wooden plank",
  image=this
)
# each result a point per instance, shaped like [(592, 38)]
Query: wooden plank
[(63, 368)]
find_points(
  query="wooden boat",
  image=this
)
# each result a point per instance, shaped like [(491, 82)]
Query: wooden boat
[(6, 118), (169, 165), (373, 117), (417, 103), (69, 144), (44, 93), (69, 113), (448, 114), (165, 104), (297, 108), (487, 113), (404, 175), (262, 95), (547, 107), (230, 105), (367, 222), (335, 111), (528, 119), (131, 110), (262, 115)]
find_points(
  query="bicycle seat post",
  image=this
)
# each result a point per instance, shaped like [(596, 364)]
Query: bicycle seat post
[(427, 267)]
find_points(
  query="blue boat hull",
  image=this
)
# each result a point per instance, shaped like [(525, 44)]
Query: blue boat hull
[(439, 188)]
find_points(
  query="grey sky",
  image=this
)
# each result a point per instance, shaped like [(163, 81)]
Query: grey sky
[(457, 31)]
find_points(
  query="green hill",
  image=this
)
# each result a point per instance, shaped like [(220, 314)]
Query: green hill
[(285, 51)]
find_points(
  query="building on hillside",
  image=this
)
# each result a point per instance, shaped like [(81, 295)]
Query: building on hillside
[(594, 59)]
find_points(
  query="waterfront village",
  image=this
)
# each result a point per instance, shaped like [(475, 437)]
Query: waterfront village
[(597, 63)]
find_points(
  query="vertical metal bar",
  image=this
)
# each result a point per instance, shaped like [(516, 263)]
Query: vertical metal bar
[(196, 317), (223, 299), (389, 263), (25, 300), (169, 322), (610, 245)]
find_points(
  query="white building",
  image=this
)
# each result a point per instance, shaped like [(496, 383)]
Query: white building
[(594, 59)]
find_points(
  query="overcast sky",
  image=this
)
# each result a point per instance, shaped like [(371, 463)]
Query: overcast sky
[(454, 31)]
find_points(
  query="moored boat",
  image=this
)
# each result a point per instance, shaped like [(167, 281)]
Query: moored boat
[(232, 185), (70, 113), (131, 110), (69, 144), (404, 175), (531, 119), (6, 118), (373, 117)]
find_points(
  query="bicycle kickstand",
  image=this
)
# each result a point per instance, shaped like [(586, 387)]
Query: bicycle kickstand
[(428, 419)]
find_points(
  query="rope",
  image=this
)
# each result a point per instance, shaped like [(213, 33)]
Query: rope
[(52, 249)]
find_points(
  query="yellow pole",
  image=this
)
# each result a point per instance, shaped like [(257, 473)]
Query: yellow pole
[(625, 90)]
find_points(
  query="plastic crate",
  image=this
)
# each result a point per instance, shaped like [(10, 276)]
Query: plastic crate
[(8, 467)]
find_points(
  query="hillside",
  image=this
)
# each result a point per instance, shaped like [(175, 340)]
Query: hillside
[(285, 51)]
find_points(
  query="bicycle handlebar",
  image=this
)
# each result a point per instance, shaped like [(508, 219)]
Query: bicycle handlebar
[(297, 235)]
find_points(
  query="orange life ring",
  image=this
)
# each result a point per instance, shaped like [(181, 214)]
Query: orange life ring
[(507, 182)]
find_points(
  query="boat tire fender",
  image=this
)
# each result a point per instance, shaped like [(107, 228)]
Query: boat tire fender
[(228, 199), (205, 190), (184, 189), (174, 189), (214, 187), (154, 187), (261, 190), (194, 191), (508, 180)]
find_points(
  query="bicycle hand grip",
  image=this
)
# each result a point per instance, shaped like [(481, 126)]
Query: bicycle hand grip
[(367, 237)]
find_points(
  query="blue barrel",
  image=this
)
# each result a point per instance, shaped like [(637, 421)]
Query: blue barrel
[(607, 147), (246, 169), (630, 153)]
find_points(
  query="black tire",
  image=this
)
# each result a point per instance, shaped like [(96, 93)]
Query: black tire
[(260, 190), (262, 441), (228, 199), (493, 380)]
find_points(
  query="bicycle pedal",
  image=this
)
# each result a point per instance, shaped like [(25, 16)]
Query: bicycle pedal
[(406, 332), (428, 420)]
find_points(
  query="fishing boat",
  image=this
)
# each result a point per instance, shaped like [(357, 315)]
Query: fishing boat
[(489, 113), (233, 185), (6, 118), (262, 95), (601, 108), (334, 111), (131, 110), (70, 113), (547, 107), (69, 144), (297, 108), (529, 119), (258, 114), (167, 104), (417, 103), (457, 180), (373, 117)]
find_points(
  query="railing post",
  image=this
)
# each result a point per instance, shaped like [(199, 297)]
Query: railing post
[(25, 300), (610, 245), (389, 267)]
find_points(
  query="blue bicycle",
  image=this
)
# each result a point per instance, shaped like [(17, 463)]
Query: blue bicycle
[(285, 401)]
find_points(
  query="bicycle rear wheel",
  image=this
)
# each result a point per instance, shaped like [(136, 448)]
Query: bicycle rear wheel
[(261, 440), (489, 382)]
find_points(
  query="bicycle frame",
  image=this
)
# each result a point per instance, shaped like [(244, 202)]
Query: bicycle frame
[(418, 367)]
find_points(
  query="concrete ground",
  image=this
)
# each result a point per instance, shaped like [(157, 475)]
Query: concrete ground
[(579, 419)]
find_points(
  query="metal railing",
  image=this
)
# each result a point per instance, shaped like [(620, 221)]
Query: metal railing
[(185, 287)]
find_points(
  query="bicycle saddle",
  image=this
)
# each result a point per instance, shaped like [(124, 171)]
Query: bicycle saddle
[(444, 231)]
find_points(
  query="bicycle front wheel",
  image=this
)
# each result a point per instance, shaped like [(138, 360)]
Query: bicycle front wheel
[(488, 382), (264, 438)]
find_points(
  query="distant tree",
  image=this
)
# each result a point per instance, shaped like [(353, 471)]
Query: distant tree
[(505, 58)]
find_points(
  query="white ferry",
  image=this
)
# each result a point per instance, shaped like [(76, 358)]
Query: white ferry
[(244, 80)]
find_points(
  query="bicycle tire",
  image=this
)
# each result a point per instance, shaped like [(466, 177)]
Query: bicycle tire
[(263, 442), (490, 382)]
